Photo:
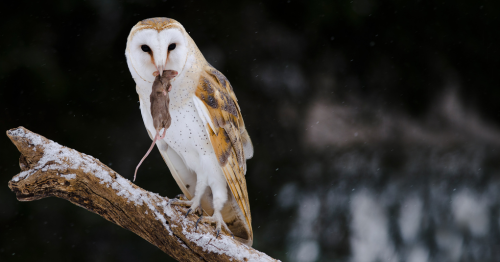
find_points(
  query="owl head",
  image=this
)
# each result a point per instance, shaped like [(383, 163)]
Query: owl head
[(154, 45)]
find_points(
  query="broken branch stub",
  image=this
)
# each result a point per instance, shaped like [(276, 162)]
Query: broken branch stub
[(53, 170)]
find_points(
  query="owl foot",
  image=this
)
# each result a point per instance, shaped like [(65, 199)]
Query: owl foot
[(194, 205), (217, 220), (197, 210)]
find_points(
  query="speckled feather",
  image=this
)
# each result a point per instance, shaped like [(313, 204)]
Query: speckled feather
[(217, 94)]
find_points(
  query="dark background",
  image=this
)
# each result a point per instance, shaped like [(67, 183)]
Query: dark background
[(375, 123)]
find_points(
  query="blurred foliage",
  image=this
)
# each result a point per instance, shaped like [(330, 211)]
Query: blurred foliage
[(63, 75)]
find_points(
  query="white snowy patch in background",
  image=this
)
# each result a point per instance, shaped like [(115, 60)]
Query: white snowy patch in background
[(450, 244), (370, 230), (308, 251), (418, 254), (307, 248), (309, 210), (287, 194), (454, 215), (410, 217), (471, 212)]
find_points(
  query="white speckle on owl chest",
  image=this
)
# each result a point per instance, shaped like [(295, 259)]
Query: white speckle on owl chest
[(186, 134)]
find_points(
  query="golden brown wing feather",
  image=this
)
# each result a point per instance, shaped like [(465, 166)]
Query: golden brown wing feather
[(228, 136)]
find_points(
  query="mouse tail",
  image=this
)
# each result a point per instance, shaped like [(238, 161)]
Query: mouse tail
[(149, 151), (164, 133)]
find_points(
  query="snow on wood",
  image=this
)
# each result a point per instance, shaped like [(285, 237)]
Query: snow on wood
[(50, 169)]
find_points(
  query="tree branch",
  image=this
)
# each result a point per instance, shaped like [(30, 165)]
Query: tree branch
[(50, 169)]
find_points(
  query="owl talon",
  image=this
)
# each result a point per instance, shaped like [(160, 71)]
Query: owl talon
[(198, 221), (218, 221), (218, 231), (189, 210)]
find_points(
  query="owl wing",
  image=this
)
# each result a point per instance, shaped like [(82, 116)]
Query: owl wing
[(217, 105)]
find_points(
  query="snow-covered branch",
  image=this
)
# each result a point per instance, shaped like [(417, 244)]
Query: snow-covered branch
[(50, 169)]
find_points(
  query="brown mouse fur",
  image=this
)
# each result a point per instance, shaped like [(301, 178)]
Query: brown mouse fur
[(159, 107)]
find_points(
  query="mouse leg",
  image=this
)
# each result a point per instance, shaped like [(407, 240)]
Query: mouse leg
[(149, 151)]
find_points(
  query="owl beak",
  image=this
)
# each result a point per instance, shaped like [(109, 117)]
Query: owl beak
[(160, 69)]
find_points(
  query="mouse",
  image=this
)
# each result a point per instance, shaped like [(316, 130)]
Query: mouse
[(159, 107)]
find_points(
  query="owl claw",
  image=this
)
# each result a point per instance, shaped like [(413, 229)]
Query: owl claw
[(198, 221), (189, 210), (218, 231), (218, 221), (187, 203)]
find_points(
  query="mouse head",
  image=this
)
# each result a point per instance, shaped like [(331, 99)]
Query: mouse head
[(168, 75)]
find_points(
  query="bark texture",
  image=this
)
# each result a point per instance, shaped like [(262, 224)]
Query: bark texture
[(52, 170)]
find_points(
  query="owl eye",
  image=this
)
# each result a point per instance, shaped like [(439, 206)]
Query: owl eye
[(171, 47), (145, 48)]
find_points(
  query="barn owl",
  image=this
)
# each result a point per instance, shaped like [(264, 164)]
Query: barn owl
[(207, 145)]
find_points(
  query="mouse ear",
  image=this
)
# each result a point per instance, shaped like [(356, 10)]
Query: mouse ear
[(171, 73)]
